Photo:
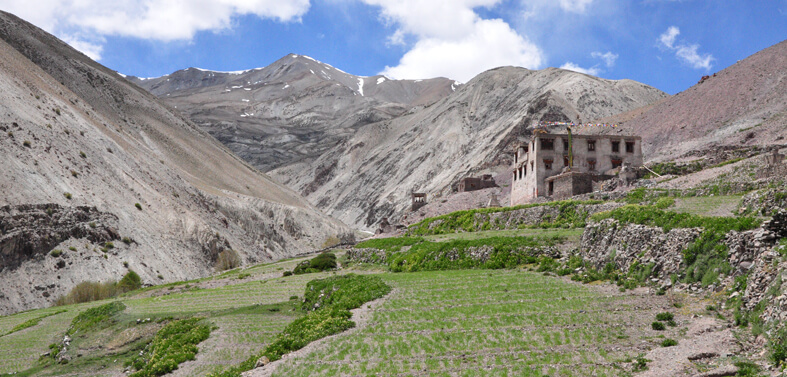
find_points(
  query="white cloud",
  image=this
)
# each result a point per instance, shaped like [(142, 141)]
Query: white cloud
[(668, 38), (147, 19), (593, 71), (575, 6), (608, 57), (452, 40), (91, 49), (686, 52)]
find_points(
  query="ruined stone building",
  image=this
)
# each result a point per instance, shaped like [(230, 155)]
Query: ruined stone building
[(474, 183), (540, 165)]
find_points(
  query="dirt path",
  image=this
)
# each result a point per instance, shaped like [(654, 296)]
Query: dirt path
[(360, 316)]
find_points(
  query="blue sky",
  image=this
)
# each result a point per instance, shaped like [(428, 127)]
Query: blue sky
[(668, 44)]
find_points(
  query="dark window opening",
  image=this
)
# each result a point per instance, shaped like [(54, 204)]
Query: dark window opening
[(548, 144), (551, 188), (524, 170), (615, 146), (629, 147), (514, 175), (531, 165), (591, 145), (616, 162), (547, 164), (520, 173), (565, 144), (565, 160), (591, 164)]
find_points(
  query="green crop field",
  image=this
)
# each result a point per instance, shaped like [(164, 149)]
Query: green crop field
[(570, 234), (488, 322), (720, 205)]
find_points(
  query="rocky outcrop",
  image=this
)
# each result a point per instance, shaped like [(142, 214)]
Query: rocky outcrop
[(609, 241), (28, 231)]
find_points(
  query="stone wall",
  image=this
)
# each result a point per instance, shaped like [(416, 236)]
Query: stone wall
[(608, 241)]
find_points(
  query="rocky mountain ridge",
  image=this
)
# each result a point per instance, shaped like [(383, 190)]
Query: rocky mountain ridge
[(102, 171), (291, 110)]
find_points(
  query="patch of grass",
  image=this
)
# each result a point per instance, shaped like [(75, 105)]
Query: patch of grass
[(26, 143), (88, 291), (747, 369), (389, 244), (126, 240), (82, 154), (56, 253), (669, 342), (658, 326), (96, 317), (139, 206), (175, 343), (67, 195), (31, 322)]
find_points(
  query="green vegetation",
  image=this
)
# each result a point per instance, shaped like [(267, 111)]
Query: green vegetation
[(664, 168), (82, 154), (669, 342), (665, 316), (658, 326), (328, 302), (88, 291), (172, 345), (26, 143), (568, 216), (67, 195), (705, 259), (777, 346), (31, 322), (482, 322), (573, 234), (56, 253), (747, 369), (323, 262), (93, 318), (139, 206), (130, 281)]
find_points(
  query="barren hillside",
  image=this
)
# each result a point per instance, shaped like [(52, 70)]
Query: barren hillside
[(744, 104), (371, 175), (90, 158)]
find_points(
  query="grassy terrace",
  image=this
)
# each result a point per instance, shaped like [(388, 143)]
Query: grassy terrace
[(484, 322), (249, 311)]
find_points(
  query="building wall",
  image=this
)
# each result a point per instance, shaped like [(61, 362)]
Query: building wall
[(534, 185)]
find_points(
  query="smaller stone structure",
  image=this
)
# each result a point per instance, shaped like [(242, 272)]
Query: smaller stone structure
[(493, 202), (774, 166), (474, 183), (628, 174), (568, 184), (419, 200)]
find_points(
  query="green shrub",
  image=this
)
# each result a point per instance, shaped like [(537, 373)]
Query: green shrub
[(26, 143), (227, 260), (67, 195), (139, 206), (777, 347), (109, 245), (665, 316), (72, 248), (747, 369), (82, 154), (658, 326), (126, 240), (175, 343), (130, 282), (87, 291), (322, 262), (389, 244), (286, 273), (640, 363), (56, 253), (669, 342)]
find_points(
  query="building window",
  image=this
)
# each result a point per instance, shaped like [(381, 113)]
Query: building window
[(629, 147), (591, 145), (520, 172), (616, 146), (548, 144), (547, 164), (524, 170), (514, 175), (565, 145), (591, 164), (531, 165), (616, 162), (565, 160)]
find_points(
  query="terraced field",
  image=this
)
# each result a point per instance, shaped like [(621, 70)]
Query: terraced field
[(483, 322), (242, 304)]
